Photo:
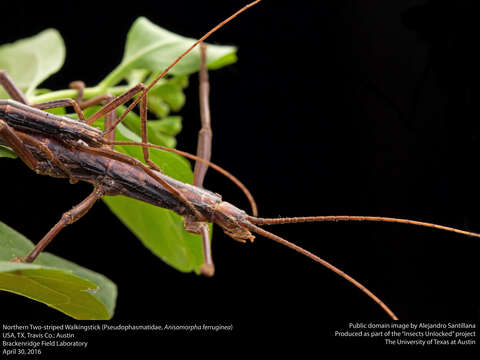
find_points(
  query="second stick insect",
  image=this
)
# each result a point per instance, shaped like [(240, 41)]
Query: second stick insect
[(62, 147)]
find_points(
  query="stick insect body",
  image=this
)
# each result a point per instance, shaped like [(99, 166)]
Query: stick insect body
[(67, 148)]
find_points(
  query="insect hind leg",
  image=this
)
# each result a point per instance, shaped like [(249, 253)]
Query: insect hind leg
[(67, 218)]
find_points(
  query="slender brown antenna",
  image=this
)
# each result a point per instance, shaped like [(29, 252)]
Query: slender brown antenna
[(215, 167), (273, 221), (325, 263), (164, 72)]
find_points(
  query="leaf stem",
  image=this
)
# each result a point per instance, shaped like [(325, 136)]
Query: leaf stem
[(114, 77), (72, 93)]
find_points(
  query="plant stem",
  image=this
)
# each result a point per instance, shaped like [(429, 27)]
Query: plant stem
[(114, 77), (72, 93)]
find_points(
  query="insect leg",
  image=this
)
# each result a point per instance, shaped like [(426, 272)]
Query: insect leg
[(27, 139), (203, 151), (61, 103), (110, 107), (192, 225), (78, 104), (67, 218), (11, 139), (120, 100), (207, 268), (143, 122), (80, 86), (110, 120), (12, 89), (115, 103), (204, 145)]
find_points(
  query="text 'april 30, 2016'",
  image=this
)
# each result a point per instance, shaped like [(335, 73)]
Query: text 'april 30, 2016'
[(41, 339)]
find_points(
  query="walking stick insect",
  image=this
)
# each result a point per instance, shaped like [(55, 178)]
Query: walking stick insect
[(67, 146)]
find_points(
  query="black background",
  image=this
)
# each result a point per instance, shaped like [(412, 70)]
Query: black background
[(333, 108)]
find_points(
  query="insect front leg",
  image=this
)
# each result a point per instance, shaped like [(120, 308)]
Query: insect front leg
[(143, 126), (111, 106), (110, 120), (201, 228)]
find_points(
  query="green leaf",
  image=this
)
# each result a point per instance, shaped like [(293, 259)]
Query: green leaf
[(158, 106), (153, 48), (171, 125), (136, 76), (167, 94), (67, 287), (7, 152), (32, 60), (171, 92), (160, 230), (171, 164), (160, 132), (56, 111)]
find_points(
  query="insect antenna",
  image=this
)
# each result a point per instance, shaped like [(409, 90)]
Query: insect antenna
[(252, 223), (167, 69), (334, 218), (323, 262)]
